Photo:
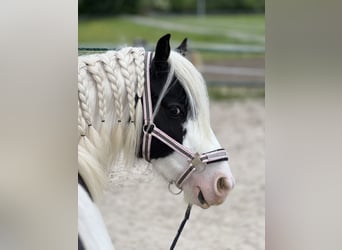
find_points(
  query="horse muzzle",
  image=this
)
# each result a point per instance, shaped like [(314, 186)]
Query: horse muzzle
[(210, 187)]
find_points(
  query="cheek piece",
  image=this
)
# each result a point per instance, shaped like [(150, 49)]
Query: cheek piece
[(196, 161)]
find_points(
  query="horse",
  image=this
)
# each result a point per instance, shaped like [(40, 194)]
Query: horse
[(152, 106)]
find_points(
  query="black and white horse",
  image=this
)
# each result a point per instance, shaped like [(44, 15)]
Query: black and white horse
[(136, 105)]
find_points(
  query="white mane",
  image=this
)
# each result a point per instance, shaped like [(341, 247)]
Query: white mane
[(110, 120)]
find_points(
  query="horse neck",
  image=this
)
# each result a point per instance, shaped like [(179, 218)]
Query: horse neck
[(109, 121)]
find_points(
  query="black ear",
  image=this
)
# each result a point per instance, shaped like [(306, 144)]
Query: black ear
[(183, 47), (162, 52)]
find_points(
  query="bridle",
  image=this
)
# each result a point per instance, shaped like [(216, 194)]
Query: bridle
[(196, 161)]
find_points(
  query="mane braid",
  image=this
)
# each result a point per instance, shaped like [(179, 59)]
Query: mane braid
[(109, 65), (81, 121), (88, 165), (95, 70), (125, 59), (138, 59), (110, 116), (83, 94)]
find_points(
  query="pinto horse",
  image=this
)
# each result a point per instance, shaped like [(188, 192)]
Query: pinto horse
[(137, 105)]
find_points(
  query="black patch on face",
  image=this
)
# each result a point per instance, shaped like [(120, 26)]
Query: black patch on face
[(173, 111)]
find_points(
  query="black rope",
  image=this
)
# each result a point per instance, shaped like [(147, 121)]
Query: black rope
[(180, 229)]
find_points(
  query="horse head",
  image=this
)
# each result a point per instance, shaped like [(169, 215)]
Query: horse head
[(181, 144)]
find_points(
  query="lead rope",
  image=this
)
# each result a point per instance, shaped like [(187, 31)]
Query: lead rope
[(181, 226)]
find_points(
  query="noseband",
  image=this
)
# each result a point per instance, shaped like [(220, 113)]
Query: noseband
[(196, 161)]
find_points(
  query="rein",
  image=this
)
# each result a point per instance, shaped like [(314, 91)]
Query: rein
[(196, 161)]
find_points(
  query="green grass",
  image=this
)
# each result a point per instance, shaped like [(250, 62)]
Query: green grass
[(125, 29), (214, 56), (248, 23), (116, 30)]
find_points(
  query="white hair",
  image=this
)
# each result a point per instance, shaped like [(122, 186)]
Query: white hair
[(194, 85), (110, 116)]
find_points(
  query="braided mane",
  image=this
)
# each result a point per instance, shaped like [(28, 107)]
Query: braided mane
[(110, 87), (108, 120)]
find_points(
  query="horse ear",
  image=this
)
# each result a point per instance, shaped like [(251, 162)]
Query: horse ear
[(183, 47), (162, 52)]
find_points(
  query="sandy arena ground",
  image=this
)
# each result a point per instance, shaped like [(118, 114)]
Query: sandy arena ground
[(144, 215)]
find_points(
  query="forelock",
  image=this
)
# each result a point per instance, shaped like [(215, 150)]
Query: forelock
[(194, 85)]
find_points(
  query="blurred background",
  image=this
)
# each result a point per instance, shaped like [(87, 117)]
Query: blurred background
[(226, 40)]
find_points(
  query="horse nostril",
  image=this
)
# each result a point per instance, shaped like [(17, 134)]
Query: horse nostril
[(222, 185)]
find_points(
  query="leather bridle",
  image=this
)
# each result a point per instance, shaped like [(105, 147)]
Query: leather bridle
[(196, 161)]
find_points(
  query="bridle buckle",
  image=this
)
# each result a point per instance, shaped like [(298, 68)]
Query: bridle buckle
[(196, 160), (148, 128)]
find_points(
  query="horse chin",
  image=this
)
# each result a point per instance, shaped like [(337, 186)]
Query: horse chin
[(195, 196)]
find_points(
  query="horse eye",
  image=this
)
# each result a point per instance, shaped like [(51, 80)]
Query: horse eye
[(175, 110)]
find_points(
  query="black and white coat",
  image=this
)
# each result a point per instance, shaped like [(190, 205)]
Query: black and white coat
[(110, 88)]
